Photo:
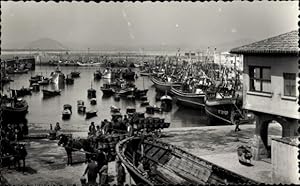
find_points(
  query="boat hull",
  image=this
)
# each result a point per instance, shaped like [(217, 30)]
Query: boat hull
[(166, 158), (220, 111), (191, 100), (88, 64), (49, 93), (163, 86)]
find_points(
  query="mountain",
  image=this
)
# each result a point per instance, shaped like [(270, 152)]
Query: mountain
[(46, 44)]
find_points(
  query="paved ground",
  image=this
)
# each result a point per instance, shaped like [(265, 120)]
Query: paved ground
[(46, 162)]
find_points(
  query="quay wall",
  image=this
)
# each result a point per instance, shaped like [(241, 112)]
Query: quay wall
[(285, 168)]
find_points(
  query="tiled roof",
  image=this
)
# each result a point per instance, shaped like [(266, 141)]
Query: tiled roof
[(283, 44)]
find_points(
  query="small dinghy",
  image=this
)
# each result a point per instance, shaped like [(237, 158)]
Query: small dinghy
[(114, 109), (117, 97), (80, 106), (166, 103), (51, 93), (93, 101), (67, 111), (152, 162), (90, 114), (130, 110)]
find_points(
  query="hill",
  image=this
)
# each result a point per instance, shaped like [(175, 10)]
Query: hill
[(45, 44)]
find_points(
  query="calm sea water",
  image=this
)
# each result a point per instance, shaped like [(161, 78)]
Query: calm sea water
[(42, 112)]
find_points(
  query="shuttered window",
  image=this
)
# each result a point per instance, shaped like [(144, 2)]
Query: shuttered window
[(260, 79), (289, 84)]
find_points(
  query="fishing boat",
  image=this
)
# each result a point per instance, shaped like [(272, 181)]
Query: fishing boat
[(114, 109), (22, 92), (125, 91), (93, 101), (69, 80), (57, 77), (75, 74), (152, 162), (17, 71), (166, 103), (13, 107), (98, 74), (5, 79), (189, 99), (67, 111), (163, 86), (223, 109), (107, 74), (51, 93), (44, 81), (88, 64), (80, 106), (91, 113), (128, 75), (91, 92), (107, 90), (35, 79)]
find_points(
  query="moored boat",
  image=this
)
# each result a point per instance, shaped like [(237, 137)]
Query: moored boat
[(114, 109), (107, 90), (51, 93), (91, 113), (75, 74), (152, 162), (57, 76), (126, 91), (80, 106), (225, 109), (13, 107), (23, 92), (67, 111), (107, 74), (189, 99), (44, 81), (98, 74), (163, 86), (166, 103), (17, 71), (88, 64), (69, 80)]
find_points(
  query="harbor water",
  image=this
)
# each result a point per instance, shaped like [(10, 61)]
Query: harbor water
[(43, 111)]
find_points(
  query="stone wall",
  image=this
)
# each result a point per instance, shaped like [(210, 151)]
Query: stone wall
[(284, 161)]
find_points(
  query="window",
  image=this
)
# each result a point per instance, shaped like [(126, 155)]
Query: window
[(289, 84), (260, 79)]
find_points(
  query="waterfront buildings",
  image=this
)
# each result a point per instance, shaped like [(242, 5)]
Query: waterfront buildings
[(270, 92)]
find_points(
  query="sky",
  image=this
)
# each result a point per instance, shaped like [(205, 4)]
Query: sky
[(145, 25)]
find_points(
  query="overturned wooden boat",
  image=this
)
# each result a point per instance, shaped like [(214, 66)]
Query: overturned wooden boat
[(168, 164)]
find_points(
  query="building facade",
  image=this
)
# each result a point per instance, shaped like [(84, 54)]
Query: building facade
[(270, 89)]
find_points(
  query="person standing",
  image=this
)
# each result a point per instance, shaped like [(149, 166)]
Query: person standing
[(57, 127), (92, 129), (121, 175), (237, 122), (91, 171)]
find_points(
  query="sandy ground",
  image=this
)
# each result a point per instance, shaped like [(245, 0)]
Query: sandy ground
[(46, 161)]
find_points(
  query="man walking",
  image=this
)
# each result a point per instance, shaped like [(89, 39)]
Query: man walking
[(91, 170)]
